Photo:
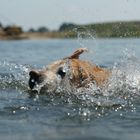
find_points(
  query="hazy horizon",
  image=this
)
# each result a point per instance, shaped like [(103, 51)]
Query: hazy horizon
[(52, 14)]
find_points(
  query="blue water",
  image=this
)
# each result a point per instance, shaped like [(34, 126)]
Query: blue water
[(109, 116)]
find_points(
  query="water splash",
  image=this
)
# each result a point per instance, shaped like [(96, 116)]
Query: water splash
[(13, 75), (121, 93), (83, 37)]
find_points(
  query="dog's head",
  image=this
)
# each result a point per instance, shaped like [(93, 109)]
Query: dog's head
[(69, 71), (49, 78), (54, 75)]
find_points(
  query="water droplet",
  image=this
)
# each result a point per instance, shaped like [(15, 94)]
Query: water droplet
[(121, 114), (32, 80), (68, 114), (14, 111), (84, 114)]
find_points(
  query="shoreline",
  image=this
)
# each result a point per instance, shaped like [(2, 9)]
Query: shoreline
[(57, 35), (130, 29)]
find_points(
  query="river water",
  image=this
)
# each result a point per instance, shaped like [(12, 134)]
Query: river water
[(109, 114)]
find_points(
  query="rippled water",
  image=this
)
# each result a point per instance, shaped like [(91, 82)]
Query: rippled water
[(94, 113)]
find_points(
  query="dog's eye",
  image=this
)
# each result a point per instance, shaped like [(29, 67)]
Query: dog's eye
[(61, 72)]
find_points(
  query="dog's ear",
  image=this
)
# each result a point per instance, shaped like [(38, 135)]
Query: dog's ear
[(77, 53)]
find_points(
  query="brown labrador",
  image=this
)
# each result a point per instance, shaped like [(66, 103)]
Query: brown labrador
[(79, 73)]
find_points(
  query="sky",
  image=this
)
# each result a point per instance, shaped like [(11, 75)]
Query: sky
[(52, 13)]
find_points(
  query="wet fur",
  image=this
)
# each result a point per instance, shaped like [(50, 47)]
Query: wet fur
[(82, 72)]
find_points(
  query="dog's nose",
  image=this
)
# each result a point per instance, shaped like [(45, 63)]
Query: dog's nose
[(34, 76)]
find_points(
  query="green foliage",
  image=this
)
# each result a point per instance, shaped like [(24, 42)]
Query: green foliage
[(42, 29), (32, 30), (67, 27), (116, 29), (13, 30)]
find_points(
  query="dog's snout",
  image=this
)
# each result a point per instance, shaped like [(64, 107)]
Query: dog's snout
[(34, 76), (31, 83)]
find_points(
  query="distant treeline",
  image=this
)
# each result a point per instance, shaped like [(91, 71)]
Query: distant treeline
[(71, 30), (107, 30), (40, 29), (114, 29), (10, 30)]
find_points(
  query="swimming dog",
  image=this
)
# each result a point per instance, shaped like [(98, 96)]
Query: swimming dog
[(78, 72)]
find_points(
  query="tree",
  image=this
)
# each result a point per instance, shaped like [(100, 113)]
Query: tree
[(32, 30), (67, 27), (42, 29), (13, 30)]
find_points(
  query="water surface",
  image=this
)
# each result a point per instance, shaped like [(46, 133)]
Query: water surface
[(108, 114)]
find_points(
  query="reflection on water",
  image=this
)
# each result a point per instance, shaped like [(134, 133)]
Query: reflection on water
[(84, 113)]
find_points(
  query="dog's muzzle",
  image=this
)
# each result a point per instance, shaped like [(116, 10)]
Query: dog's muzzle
[(34, 79)]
